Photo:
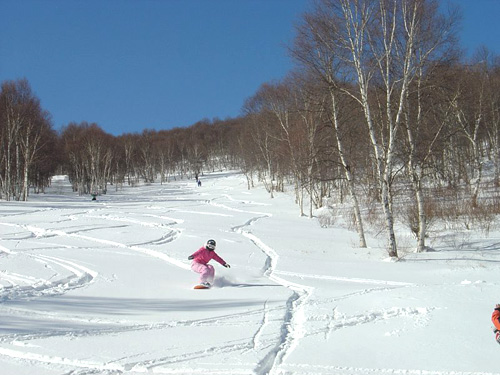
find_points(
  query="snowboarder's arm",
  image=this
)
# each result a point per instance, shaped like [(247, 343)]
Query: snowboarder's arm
[(195, 254), (495, 318), (218, 258)]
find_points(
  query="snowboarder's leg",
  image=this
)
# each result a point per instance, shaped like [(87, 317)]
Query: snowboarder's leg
[(198, 268), (203, 270), (210, 274)]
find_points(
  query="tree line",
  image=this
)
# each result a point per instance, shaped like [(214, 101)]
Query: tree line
[(381, 109), (381, 114)]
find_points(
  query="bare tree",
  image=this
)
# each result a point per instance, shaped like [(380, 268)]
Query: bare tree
[(492, 109), (31, 141), (468, 104), (265, 135), (432, 39), (89, 157), (23, 124), (319, 49)]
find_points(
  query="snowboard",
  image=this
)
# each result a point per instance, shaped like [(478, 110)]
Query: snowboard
[(199, 286)]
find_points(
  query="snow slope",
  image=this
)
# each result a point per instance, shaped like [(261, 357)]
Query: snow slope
[(105, 287)]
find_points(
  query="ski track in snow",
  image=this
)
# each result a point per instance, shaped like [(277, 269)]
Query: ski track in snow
[(110, 327), (292, 329), (40, 232), (293, 325), (25, 287), (345, 279)]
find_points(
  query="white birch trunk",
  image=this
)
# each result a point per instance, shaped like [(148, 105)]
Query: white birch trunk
[(348, 175)]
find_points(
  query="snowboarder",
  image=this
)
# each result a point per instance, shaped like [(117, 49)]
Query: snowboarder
[(200, 264), (495, 318)]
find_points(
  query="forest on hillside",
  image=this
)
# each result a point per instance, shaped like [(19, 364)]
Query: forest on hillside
[(382, 112)]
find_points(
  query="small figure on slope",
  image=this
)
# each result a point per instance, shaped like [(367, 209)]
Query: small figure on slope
[(200, 264), (495, 318)]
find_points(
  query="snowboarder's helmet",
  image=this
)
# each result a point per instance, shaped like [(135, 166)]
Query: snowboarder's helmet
[(210, 245)]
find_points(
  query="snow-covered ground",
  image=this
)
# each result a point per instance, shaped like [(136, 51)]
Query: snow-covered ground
[(104, 287)]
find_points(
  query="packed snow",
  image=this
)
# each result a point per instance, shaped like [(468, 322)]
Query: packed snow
[(105, 287)]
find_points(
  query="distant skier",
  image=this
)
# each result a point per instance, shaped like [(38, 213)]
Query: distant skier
[(199, 183), (495, 318), (200, 264)]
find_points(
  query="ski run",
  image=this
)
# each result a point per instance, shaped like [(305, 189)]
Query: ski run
[(105, 287)]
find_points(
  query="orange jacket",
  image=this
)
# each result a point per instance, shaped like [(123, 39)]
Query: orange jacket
[(495, 318)]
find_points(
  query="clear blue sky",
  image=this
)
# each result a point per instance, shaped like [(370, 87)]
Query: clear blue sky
[(134, 64)]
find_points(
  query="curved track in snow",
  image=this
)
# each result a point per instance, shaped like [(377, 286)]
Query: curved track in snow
[(292, 328)]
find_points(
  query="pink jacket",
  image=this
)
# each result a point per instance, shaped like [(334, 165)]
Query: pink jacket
[(203, 256)]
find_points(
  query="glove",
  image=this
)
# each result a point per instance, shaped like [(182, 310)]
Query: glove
[(227, 265), (190, 257)]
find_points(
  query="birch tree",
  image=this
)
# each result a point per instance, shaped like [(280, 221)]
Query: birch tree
[(89, 157), (277, 100), (318, 48), (309, 103), (378, 40), (493, 115), (31, 142), (469, 104), (265, 136), (430, 40), (23, 125)]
